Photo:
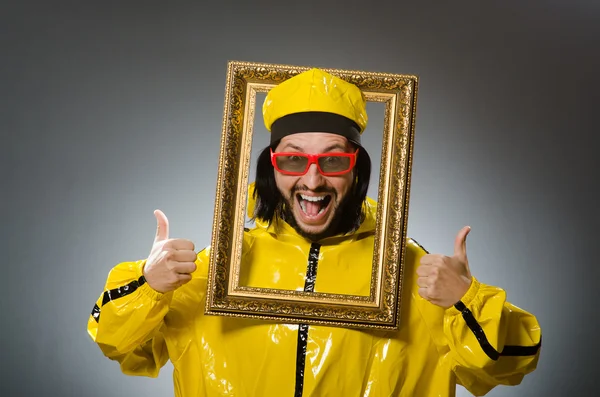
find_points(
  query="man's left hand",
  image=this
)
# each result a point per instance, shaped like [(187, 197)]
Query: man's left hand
[(444, 280)]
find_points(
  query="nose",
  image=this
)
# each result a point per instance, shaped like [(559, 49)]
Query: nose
[(313, 178)]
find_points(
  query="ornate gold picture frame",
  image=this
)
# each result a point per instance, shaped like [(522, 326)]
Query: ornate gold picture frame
[(379, 310)]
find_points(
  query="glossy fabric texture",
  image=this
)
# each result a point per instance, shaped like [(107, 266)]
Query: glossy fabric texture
[(315, 90), (225, 356)]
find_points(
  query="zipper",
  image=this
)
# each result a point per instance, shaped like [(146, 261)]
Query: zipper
[(309, 286)]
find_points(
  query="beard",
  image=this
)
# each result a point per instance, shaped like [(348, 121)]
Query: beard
[(339, 208)]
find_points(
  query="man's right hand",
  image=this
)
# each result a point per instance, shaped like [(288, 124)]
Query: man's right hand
[(171, 261)]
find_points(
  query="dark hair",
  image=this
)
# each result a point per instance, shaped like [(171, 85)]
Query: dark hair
[(269, 201)]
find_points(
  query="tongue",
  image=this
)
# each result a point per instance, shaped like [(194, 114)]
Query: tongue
[(312, 208)]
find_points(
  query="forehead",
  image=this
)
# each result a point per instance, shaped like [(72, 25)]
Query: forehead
[(314, 141)]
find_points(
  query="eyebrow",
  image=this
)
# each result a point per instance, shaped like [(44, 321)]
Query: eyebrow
[(335, 146), (327, 149), (291, 146)]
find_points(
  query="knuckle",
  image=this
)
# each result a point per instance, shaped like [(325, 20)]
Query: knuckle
[(185, 244), (179, 268)]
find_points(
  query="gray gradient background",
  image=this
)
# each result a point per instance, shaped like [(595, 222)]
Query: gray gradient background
[(111, 110)]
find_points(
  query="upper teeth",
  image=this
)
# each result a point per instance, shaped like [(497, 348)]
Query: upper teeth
[(312, 198)]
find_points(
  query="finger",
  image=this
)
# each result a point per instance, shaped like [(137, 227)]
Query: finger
[(185, 267), (424, 270), (429, 259), (184, 279), (183, 256), (162, 226), (460, 242), (180, 244), (423, 293), (423, 282)]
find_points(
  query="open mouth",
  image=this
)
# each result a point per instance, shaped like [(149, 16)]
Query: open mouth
[(313, 206)]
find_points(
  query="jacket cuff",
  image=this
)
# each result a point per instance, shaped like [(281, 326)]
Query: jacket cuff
[(467, 298), (146, 289)]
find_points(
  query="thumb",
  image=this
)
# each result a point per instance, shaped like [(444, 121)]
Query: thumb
[(460, 243), (162, 226)]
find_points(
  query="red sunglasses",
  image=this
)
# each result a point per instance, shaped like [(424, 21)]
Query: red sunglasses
[(328, 164)]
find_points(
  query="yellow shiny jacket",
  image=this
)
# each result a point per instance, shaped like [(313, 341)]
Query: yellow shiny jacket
[(481, 342)]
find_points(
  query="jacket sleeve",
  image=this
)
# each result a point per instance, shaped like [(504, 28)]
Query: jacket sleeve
[(492, 342), (126, 320)]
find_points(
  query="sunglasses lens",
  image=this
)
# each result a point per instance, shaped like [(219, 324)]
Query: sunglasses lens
[(335, 163), (291, 163)]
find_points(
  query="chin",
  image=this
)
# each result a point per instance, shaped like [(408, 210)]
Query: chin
[(311, 232)]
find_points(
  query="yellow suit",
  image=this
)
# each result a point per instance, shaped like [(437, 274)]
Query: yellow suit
[(487, 342)]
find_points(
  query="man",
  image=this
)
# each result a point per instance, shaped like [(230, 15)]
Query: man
[(314, 231)]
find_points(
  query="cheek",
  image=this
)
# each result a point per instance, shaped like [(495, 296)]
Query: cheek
[(284, 183), (344, 184)]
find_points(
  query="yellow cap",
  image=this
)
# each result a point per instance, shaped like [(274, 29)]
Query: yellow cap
[(311, 93)]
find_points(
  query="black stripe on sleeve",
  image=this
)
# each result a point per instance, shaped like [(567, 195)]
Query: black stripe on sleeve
[(117, 293), (510, 350), (125, 290), (492, 353), (96, 313)]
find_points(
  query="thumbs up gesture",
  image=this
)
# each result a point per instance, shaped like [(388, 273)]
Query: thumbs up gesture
[(444, 280), (171, 261)]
